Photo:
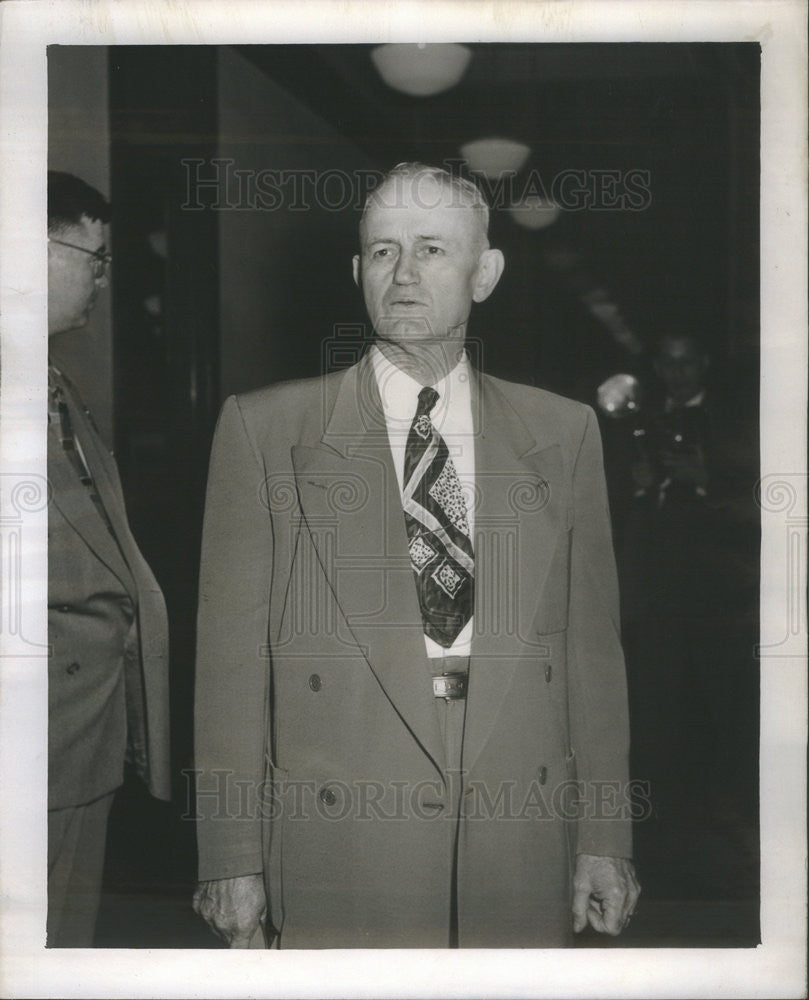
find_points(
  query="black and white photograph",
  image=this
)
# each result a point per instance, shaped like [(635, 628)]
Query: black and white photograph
[(404, 501)]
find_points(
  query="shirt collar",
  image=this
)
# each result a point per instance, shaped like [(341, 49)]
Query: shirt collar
[(399, 391)]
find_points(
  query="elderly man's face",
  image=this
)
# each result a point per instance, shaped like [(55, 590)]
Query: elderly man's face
[(423, 262), (72, 281)]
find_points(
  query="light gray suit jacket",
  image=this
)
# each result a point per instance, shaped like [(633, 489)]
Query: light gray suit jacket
[(317, 736)]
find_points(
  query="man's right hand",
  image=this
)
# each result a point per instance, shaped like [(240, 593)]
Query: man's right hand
[(233, 907)]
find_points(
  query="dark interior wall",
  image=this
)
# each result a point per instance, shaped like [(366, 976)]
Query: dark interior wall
[(79, 143), (683, 254), (285, 238), (163, 111)]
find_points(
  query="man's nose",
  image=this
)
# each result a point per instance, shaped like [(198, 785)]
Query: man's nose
[(406, 270), (102, 280)]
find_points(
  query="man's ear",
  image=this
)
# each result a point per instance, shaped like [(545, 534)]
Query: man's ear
[(355, 262), (490, 267)]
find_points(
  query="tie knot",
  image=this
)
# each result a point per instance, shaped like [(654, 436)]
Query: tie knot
[(428, 397)]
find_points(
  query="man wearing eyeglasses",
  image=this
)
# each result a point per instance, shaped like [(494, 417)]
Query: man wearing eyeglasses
[(107, 625)]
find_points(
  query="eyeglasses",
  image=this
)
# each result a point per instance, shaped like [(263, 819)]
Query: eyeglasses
[(101, 258)]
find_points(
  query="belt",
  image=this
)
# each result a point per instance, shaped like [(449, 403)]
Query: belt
[(451, 684)]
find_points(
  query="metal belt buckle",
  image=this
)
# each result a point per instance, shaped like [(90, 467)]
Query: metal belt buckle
[(452, 687)]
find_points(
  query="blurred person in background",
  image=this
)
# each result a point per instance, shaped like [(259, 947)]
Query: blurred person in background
[(683, 471)]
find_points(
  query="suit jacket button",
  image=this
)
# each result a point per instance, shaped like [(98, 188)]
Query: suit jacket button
[(74, 668), (548, 672), (64, 608), (327, 797), (543, 775), (315, 683)]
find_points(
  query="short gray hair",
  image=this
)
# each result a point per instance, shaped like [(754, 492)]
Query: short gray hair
[(468, 193)]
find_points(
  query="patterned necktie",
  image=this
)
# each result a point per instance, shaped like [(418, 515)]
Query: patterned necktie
[(437, 528)]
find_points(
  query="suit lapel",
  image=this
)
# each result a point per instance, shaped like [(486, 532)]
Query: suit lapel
[(348, 478), (143, 586), (73, 500), (518, 479), (108, 485), (347, 482)]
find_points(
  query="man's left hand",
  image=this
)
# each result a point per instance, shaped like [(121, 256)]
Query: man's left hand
[(605, 892)]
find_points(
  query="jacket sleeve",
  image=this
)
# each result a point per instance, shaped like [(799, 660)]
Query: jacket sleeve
[(232, 655), (598, 707)]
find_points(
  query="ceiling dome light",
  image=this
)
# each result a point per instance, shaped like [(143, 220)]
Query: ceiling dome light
[(535, 212), (421, 69), (495, 157)]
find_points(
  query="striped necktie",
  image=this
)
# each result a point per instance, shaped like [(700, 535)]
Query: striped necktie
[(437, 528)]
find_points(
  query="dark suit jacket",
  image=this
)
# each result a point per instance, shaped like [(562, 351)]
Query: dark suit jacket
[(313, 686), (107, 630)]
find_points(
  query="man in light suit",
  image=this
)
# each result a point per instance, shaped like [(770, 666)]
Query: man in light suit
[(411, 708), (107, 626)]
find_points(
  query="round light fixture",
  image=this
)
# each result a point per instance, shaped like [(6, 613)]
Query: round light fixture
[(421, 70), (535, 212), (495, 157)]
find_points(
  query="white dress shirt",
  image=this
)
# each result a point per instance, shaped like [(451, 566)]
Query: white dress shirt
[(452, 418)]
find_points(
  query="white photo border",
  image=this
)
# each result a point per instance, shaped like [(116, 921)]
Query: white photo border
[(774, 969)]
